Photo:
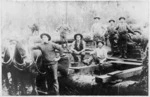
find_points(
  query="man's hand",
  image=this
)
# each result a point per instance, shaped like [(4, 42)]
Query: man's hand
[(76, 52)]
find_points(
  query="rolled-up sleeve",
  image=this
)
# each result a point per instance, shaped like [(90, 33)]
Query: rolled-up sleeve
[(84, 45), (58, 47), (72, 46)]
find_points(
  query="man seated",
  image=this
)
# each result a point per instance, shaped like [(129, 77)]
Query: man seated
[(99, 55), (78, 47)]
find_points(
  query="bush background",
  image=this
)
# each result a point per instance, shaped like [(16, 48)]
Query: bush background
[(48, 15)]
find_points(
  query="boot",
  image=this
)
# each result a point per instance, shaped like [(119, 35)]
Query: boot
[(121, 55), (125, 56), (125, 53)]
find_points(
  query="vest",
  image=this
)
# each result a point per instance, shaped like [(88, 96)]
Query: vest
[(80, 46)]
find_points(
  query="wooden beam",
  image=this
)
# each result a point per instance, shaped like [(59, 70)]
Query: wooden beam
[(83, 67), (69, 41), (133, 60), (128, 63), (118, 74), (114, 73), (129, 60), (130, 72), (42, 92), (106, 77), (103, 78)]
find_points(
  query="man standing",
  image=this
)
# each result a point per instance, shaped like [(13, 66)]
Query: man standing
[(112, 34), (98, 30), (50, 62), (123, 30), (78, 47)]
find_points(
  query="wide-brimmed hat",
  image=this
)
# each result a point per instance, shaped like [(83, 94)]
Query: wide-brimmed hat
[(96, 17), (111, 20), (122, 18), (46, 34), (77, 35)]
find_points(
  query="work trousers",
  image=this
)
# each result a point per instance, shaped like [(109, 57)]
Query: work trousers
[(52, 79), (76, 58), (122, 43), (49, 81)]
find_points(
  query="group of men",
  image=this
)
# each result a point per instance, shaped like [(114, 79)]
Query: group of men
[(78, 46), (50, 58), (117, 34)]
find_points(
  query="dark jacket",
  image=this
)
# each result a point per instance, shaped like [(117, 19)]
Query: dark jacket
[(111, 30)]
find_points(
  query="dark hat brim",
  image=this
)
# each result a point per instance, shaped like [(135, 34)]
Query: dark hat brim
[(97, 18), (49, 37), (137, 31), (111, 21), (77, 35), (100, 42), (122, 18)]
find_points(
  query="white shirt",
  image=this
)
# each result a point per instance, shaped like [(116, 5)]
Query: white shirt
[(101, 53), (98, 28)]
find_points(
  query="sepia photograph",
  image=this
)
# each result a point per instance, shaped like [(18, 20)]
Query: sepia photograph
[(74, 48)]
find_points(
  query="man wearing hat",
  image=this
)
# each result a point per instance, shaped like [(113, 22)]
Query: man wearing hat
[(123, 30), (97, 29), (50, 62), (99, 54), (112, 34), (78, 47)]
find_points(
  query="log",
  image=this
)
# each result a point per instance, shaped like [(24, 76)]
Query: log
[(128, 60), (127, 63), (125, 84), (118, 74), (41, 92), (114, 73), (103, 78), (130, 72), (83, 67), (107, 77)]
